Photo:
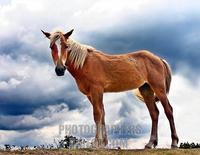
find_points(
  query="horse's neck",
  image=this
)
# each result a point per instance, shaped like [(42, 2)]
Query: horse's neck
[(73, 70)]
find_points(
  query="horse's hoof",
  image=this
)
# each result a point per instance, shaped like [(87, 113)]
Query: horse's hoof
[(174, 146), (94, 144), (98, 144), (147, 147), (151, 144)]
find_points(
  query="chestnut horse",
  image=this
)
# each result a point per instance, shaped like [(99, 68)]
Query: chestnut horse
[(96, 72)]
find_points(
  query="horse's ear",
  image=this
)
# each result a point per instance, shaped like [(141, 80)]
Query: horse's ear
[(68, 33), (47, 34)]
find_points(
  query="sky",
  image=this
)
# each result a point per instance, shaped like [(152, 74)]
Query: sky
[(34, 101)]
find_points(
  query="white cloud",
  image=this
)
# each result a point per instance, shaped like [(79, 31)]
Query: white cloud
[(185, 99), (21, 17)]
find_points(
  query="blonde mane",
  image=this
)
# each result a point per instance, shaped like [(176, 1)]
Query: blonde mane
[(78, 52)]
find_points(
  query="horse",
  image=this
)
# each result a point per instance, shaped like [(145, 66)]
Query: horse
[(96, 72)]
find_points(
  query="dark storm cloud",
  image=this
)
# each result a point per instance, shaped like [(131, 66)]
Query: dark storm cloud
[(20, 105), (25, 88), (17, 48), (20, 100), (44, 116), (177, 41)]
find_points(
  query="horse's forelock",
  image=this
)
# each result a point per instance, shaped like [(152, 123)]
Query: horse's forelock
[(54, 37)]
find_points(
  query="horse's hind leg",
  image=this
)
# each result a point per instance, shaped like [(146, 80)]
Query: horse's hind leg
[(161, 94), (149, 99)]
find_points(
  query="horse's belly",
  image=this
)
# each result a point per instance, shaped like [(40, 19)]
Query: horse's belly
[(119, 86)]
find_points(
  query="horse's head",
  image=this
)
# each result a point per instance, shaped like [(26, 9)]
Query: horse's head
[(58, 47)]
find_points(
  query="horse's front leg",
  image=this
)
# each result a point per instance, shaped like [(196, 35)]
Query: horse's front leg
[(96, 98)]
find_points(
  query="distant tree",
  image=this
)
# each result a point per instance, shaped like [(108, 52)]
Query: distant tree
[(197, 145), (22, 148), (192, 145), (188, 145), (51, 146), (71, 142), (7, 147), (35, 147)]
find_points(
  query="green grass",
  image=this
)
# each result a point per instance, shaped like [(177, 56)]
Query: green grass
[(106, 152)]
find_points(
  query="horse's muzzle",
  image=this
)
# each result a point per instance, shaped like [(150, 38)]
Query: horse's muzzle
[(60, 71)]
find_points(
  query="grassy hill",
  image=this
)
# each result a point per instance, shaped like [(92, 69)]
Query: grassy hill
[(106, 152)]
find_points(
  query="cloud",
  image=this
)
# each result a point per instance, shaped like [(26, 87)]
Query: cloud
[(45, 116), (131, 117), (31, 138)]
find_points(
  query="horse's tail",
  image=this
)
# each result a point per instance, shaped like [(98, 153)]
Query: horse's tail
[(168, 78), (168, 75)]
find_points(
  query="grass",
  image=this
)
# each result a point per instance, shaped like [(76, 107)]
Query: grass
[(105, 152)]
